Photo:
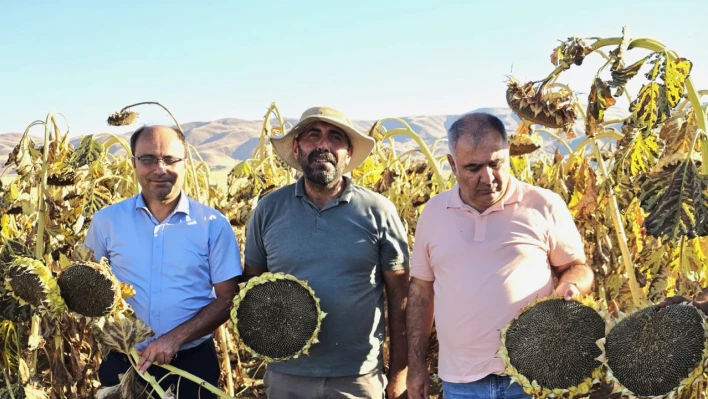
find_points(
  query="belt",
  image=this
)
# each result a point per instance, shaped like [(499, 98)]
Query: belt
[(183, 354)]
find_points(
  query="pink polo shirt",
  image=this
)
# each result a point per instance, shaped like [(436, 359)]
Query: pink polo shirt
[(486, 267)]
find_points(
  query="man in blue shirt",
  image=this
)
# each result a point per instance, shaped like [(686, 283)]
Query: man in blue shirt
[(181, 257)]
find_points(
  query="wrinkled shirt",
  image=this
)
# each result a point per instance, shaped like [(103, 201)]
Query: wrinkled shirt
[(172, 265)]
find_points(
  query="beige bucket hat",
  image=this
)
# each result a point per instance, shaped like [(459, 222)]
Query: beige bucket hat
[(361, 143)]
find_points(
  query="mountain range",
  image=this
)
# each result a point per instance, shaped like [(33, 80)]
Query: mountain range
[(224, 142)]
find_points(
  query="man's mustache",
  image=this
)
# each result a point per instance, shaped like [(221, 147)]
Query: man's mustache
[(328, 156)]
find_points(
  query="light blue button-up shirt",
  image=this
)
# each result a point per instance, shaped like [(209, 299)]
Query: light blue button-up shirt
[(172, 265)]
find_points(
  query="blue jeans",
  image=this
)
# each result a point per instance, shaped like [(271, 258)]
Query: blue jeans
[(489, 387)]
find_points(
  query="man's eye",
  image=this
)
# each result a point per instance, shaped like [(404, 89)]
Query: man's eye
[(148, 160), (170, 160)]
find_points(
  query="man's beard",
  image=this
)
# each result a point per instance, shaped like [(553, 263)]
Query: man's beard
[(318, 174)]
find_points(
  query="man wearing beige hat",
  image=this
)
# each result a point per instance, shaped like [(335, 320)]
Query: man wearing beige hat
[(349, 244)]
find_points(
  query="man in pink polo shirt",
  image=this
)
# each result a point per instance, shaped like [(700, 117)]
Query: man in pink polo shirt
[(483, 250)]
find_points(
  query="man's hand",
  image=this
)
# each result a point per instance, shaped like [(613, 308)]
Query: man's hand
[(159, 351), (396, 388), (567, 290), (675, 300), (418, 381)]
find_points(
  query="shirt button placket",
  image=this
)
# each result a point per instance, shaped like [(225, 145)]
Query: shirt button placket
[(155, 280)]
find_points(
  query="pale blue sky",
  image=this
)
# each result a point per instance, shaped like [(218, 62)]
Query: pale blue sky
[(370, 58)]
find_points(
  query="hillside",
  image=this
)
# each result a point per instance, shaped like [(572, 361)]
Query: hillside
[(224, 142)]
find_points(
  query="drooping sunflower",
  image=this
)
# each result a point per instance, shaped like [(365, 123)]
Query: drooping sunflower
[(31, 282), (89, 288)]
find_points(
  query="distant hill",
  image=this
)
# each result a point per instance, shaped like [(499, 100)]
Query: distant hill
[(224, 142)]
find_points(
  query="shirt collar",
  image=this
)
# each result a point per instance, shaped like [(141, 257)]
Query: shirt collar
[(513, 194), (182, 204), (346, 195)]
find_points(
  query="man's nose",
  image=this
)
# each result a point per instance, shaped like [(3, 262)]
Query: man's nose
[(161, 166), (322, 144), (487, 175)]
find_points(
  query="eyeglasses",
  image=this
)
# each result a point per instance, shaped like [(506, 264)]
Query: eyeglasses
[(150, 161)]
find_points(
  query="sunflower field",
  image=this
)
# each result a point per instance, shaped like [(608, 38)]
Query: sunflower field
[(637, 188)]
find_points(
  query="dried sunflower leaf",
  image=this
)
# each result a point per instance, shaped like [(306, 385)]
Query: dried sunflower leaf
[(650, 107), (123, 333), (677, 203), (88, 152), (620, 77), (675, 74), (599, 100)]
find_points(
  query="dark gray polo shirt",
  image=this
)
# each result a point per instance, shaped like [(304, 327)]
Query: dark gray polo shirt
[(341, 251)]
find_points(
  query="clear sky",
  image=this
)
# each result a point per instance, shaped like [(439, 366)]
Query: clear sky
[(370, 58)]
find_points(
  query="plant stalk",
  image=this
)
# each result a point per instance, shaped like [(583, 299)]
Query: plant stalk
[(637, 294), (174, 370), (424, 149), (223, 338), (134, 358), (41, 206)]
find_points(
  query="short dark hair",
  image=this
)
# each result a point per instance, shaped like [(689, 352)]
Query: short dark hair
[(136, 135), (478, 125)]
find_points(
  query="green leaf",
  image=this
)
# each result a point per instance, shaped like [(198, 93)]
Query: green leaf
[(677, 203), (88, 152)]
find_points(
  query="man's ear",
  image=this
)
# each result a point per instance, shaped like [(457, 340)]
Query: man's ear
[(452, 163), (294, 147)]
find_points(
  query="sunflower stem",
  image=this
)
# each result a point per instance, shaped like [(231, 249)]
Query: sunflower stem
[(424, 149), (637, 294), (134, 358), (41, 205), (7, 383), (223, 337), (174, 370)]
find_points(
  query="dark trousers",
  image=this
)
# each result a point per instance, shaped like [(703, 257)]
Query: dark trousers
[(200, 361)]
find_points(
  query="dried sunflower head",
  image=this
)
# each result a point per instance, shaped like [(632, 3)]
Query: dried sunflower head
[(550, 348), (656, 352), (122, 118), (522, 144), (553, 111), (30, 281), (277, 317), (90, 289)]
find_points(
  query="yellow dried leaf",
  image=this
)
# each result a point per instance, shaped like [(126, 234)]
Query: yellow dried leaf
[(675, 76)]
